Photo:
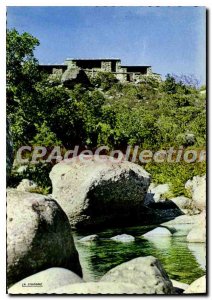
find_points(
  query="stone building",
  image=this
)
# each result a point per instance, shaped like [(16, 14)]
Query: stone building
[(92, 66)]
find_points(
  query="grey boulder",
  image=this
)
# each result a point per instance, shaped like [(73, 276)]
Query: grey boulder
[(123, 238), (197, 188), (38, 236), (158, 232), (94, 192), (44, 281), (89, 238), (146, 272)]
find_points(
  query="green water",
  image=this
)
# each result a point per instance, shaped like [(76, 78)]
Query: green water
[(182, 261)]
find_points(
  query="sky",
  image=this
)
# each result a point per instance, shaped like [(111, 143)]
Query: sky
[(170, 39)]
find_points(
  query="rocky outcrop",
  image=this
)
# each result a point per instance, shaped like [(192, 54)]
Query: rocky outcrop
[(42, 282), (197, 188), (158, 232), (26, 185), (123, 238), (95, 288), (38, 236), (94, 192), (197, 287), (146, 272), (89, 238)]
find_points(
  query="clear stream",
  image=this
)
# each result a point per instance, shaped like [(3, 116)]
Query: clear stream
[(182, 261)]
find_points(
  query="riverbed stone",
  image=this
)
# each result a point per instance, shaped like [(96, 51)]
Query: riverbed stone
[(158, 232), (197, 287), (182, 225), (38, 236), (49, 279), (146, 272), (95, 288), (89, 238), (123, 238), (96, 191)]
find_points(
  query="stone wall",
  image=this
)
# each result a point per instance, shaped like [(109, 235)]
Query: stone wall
[(106, 66)]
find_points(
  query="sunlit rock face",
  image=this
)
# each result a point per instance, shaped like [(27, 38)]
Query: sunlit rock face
[(94, 193)]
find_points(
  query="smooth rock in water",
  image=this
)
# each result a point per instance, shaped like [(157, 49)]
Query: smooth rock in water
[(158, 232), (49, 279), (182, 225), (146, 272), (89, 238), (179, 285), (184, 220), (95, 191), (94, 288), (26, 185), (123, 238), (197, 187), (197, 287), (197, 235), (38, 236)]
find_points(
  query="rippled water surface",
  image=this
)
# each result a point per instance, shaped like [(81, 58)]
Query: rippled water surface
[(182, 261)]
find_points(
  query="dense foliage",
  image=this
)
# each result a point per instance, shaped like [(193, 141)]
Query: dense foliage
[(151, 114)]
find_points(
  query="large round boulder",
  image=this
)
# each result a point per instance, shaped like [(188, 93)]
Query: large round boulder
[(96, 191), (197, 188), (38, 236), (146, 272), (44, 281)]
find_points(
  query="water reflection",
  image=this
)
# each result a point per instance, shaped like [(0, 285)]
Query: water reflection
[(183, 261)]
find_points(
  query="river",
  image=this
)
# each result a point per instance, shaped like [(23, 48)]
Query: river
[(182, 261)]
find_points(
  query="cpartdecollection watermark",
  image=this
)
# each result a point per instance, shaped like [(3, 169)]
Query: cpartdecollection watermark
[(41, 154)]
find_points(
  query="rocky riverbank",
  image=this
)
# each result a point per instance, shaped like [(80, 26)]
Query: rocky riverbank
[(92, 195)]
